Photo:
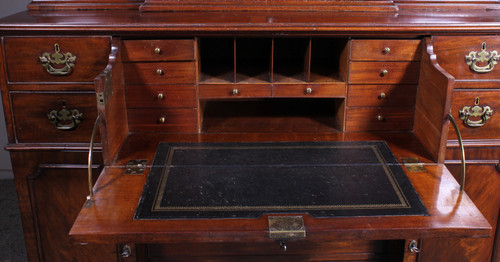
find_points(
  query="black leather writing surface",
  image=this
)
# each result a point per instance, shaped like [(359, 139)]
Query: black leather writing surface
[(242, 180)]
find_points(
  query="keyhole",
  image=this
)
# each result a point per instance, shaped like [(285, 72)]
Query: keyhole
[(63, 103), (56, 46), (484, 45), (476, 101)]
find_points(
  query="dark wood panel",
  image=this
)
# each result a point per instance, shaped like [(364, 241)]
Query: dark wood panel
[(310, 90), (171, 73), (379, 118), (50, 199), (382, 95), (23, 60), (373, 72), (209, 91), (158, 50), (158, 96), (31, 112), (164, 120), (481, 185), (433, 104), (375, 50), (451, 52), (487, 128)]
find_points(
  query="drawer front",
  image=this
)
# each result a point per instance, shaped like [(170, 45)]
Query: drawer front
[(309, 90), (157, 96), (451, 53), (33, 110), (160, 73), (178, 120), (385, 50), (477, 123), (382, 95), (374, 118), (384, 72), (234, 91), (158, 50), (80, 59)]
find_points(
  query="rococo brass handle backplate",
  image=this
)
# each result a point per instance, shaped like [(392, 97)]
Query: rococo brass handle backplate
[(481, 113), (65, 119), (473, 57), (49, 60)]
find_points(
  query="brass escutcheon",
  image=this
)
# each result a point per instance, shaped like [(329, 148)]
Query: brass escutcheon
[(473, 57), (49, 60), (482, 113)]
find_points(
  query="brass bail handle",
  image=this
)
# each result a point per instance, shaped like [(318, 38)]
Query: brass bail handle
[(473, 57), (57, 58), (91, 152), (460, 142)]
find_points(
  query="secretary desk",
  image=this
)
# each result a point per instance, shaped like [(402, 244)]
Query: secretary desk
[(102, 97)]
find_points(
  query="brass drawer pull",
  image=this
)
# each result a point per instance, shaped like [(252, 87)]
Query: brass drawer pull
[(162, 120), (382, 96), (158, 50), (160, 96), (413, 247), (159, 72), (387, 50), (65, 119), (309, 90), (380, 118), (235, 91), (384, 72), (48, 60), (473, 57), (476, 111)]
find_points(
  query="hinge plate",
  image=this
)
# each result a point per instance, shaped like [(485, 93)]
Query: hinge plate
[(136, 166), (286, 227), (413, 164)]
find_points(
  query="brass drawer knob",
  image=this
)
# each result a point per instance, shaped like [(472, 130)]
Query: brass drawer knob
[(162, 120), (157, 50), (309, 90), (159, 72), (283, 246), (235, 91), (384, 72), (380, 118), (413, 247), (387, 50), (382, 96), (160, 96)]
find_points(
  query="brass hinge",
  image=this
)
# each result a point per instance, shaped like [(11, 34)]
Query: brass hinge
[(413, 164), (135, 166), (103, 97), (286, 227)]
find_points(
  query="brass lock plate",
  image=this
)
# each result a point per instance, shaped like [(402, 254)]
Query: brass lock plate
[(413, 164), (286, 227)]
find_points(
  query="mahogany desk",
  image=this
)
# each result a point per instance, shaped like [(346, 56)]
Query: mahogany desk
[(156, 71)]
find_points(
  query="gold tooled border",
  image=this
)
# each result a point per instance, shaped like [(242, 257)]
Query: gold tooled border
[(171, 151)]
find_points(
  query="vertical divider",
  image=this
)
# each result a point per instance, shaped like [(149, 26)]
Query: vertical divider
[(235, 75), (307, 61), (271, 67)]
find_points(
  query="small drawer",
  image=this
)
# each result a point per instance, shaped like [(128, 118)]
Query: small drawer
[(453, 54), (177, 120), (382, 95), (309, 90), (158, 96), (160, 73), (158, 50), (379, 118), (384, 72), (215, 91), (385, 50), (480, 117), (54, 117), (56, 59)]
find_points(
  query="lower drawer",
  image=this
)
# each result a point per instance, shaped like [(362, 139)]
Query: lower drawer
[(379, 118), (296, 251), (54, 117), (470, 110), (234, 91), (178, 120)]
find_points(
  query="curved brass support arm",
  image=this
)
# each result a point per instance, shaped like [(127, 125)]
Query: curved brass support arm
[(455, 126), (91, 152)]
